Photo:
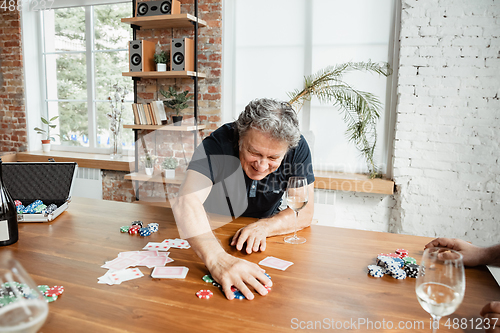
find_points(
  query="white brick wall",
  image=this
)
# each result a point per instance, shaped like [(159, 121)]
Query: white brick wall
[(447, 146), (446, 161)]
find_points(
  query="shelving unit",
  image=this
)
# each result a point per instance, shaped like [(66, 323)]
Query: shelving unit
[(161, 22)]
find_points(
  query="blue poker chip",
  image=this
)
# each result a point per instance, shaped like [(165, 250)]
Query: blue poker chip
[(268, 276), (399, 261), (238, 295)]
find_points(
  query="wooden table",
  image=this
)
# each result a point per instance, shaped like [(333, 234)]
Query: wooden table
[(327, 282)]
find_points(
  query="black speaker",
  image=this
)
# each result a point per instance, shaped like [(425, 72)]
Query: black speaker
[(182, 54), (162, 7), (141, 56)]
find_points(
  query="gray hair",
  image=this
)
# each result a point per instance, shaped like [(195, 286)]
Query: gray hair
[(276, 118)]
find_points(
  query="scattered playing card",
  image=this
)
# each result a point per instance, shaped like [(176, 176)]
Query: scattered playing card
[(118, 277), (276, 263), (154, 261), (177, 243), (172, 272), (156, 246), (119, 263), (127, 253)]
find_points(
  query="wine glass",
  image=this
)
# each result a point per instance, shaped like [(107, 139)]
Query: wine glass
[(23, 309), (297, 195), (440, 284)]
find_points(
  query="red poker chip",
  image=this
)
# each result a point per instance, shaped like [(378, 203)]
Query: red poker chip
[(54, 291), (206, 294), (233, 289), (267, 288)]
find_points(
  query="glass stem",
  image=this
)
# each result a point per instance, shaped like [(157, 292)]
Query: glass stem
[(296, 224), (435, 323)]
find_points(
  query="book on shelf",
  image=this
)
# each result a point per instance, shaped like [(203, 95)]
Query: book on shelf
[(137, 120), (149, 113)]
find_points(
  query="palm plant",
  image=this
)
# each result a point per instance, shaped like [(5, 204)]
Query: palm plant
[(361, 110), (176, 101)]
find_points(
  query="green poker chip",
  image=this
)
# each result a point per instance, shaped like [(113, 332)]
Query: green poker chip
[(43, 288), (208, 279), (124, 228), (50, 298), (5, 300)]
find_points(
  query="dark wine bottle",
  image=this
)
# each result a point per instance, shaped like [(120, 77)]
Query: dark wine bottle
[(9, 232)]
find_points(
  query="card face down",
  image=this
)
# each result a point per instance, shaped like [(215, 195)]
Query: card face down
[(171, 272), (276, 263)]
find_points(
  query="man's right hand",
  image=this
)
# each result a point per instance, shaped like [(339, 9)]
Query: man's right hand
[(473, 255), (231, 271)]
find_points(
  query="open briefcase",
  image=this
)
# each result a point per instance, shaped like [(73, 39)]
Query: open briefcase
[(50, 182)]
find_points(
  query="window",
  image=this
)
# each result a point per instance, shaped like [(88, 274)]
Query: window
[(85, 51), (270, 46)]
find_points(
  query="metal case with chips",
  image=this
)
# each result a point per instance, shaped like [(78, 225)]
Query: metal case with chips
[(51, 182)]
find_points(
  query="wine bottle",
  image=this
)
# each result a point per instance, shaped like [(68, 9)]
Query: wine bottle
[(9, 233)]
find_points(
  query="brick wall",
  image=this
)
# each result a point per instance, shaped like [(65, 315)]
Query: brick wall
[(175, 144), (446, 149), (13, 134)]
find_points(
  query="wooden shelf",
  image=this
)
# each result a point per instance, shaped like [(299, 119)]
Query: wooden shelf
[(165, 21), (173, 128), (352, 182), (165, 75), (155, 178)]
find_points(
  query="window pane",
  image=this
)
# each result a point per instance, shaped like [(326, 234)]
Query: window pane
[(110, 33), (109, 68), (72, 124), (64, 29), (66, 76), (103, 132)]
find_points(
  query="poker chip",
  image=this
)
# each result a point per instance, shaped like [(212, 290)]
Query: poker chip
[(399, 274), (267, 288), (139, 223), (409, 260), (153, 227), (43, 288), (206, 294), (411, 270), (208, 278), (50, 299), (383, 260), (268, 276), (17, 203), (375, 271), (133, 231), (144, 232), (233, 289), (215, 284), (124, 228), (402, 253), (54, 291), (400, 262), (238, 295)]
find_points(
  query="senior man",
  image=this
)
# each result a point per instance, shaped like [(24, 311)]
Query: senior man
[(243, 168)]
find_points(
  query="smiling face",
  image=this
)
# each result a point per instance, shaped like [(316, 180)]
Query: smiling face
[(260, 154)]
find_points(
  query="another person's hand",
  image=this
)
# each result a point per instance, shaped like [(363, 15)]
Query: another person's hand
[(492, 312), (231, 271), (473, 255), (254, 235)]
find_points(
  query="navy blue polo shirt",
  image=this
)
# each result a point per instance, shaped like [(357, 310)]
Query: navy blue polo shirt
[(217, 157)]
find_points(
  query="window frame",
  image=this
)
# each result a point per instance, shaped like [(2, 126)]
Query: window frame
[(35, 43)]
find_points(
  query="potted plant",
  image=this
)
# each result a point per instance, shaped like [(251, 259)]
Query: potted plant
[(168, 166), (161, 59), (46, 133), (176, 101), (149, 161)]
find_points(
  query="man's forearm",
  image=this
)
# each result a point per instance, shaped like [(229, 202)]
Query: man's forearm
[(284, 222)]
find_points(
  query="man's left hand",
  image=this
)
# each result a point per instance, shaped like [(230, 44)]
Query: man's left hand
[(492, 312), (254, 235)]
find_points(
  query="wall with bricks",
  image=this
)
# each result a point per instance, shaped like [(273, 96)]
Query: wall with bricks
[(446, 149), (174, 144), (13, 134)]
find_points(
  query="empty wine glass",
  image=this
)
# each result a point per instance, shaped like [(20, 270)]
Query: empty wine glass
[(440, 284), (297, 195), (23, 309)]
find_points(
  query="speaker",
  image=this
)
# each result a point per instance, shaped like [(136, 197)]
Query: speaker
[(182, 54), (141, 56), (162, 7)]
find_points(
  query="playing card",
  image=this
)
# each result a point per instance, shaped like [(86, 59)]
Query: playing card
[(151, 253), (276, 263), (172, 272), (125, 275), (156, 246), (177, 243), (154, 261), (119, 263)]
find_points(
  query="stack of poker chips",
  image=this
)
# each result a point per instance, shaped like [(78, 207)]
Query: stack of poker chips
[(137, 228), (50, 209), (398, 265), (36, 206), (237, 294)]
